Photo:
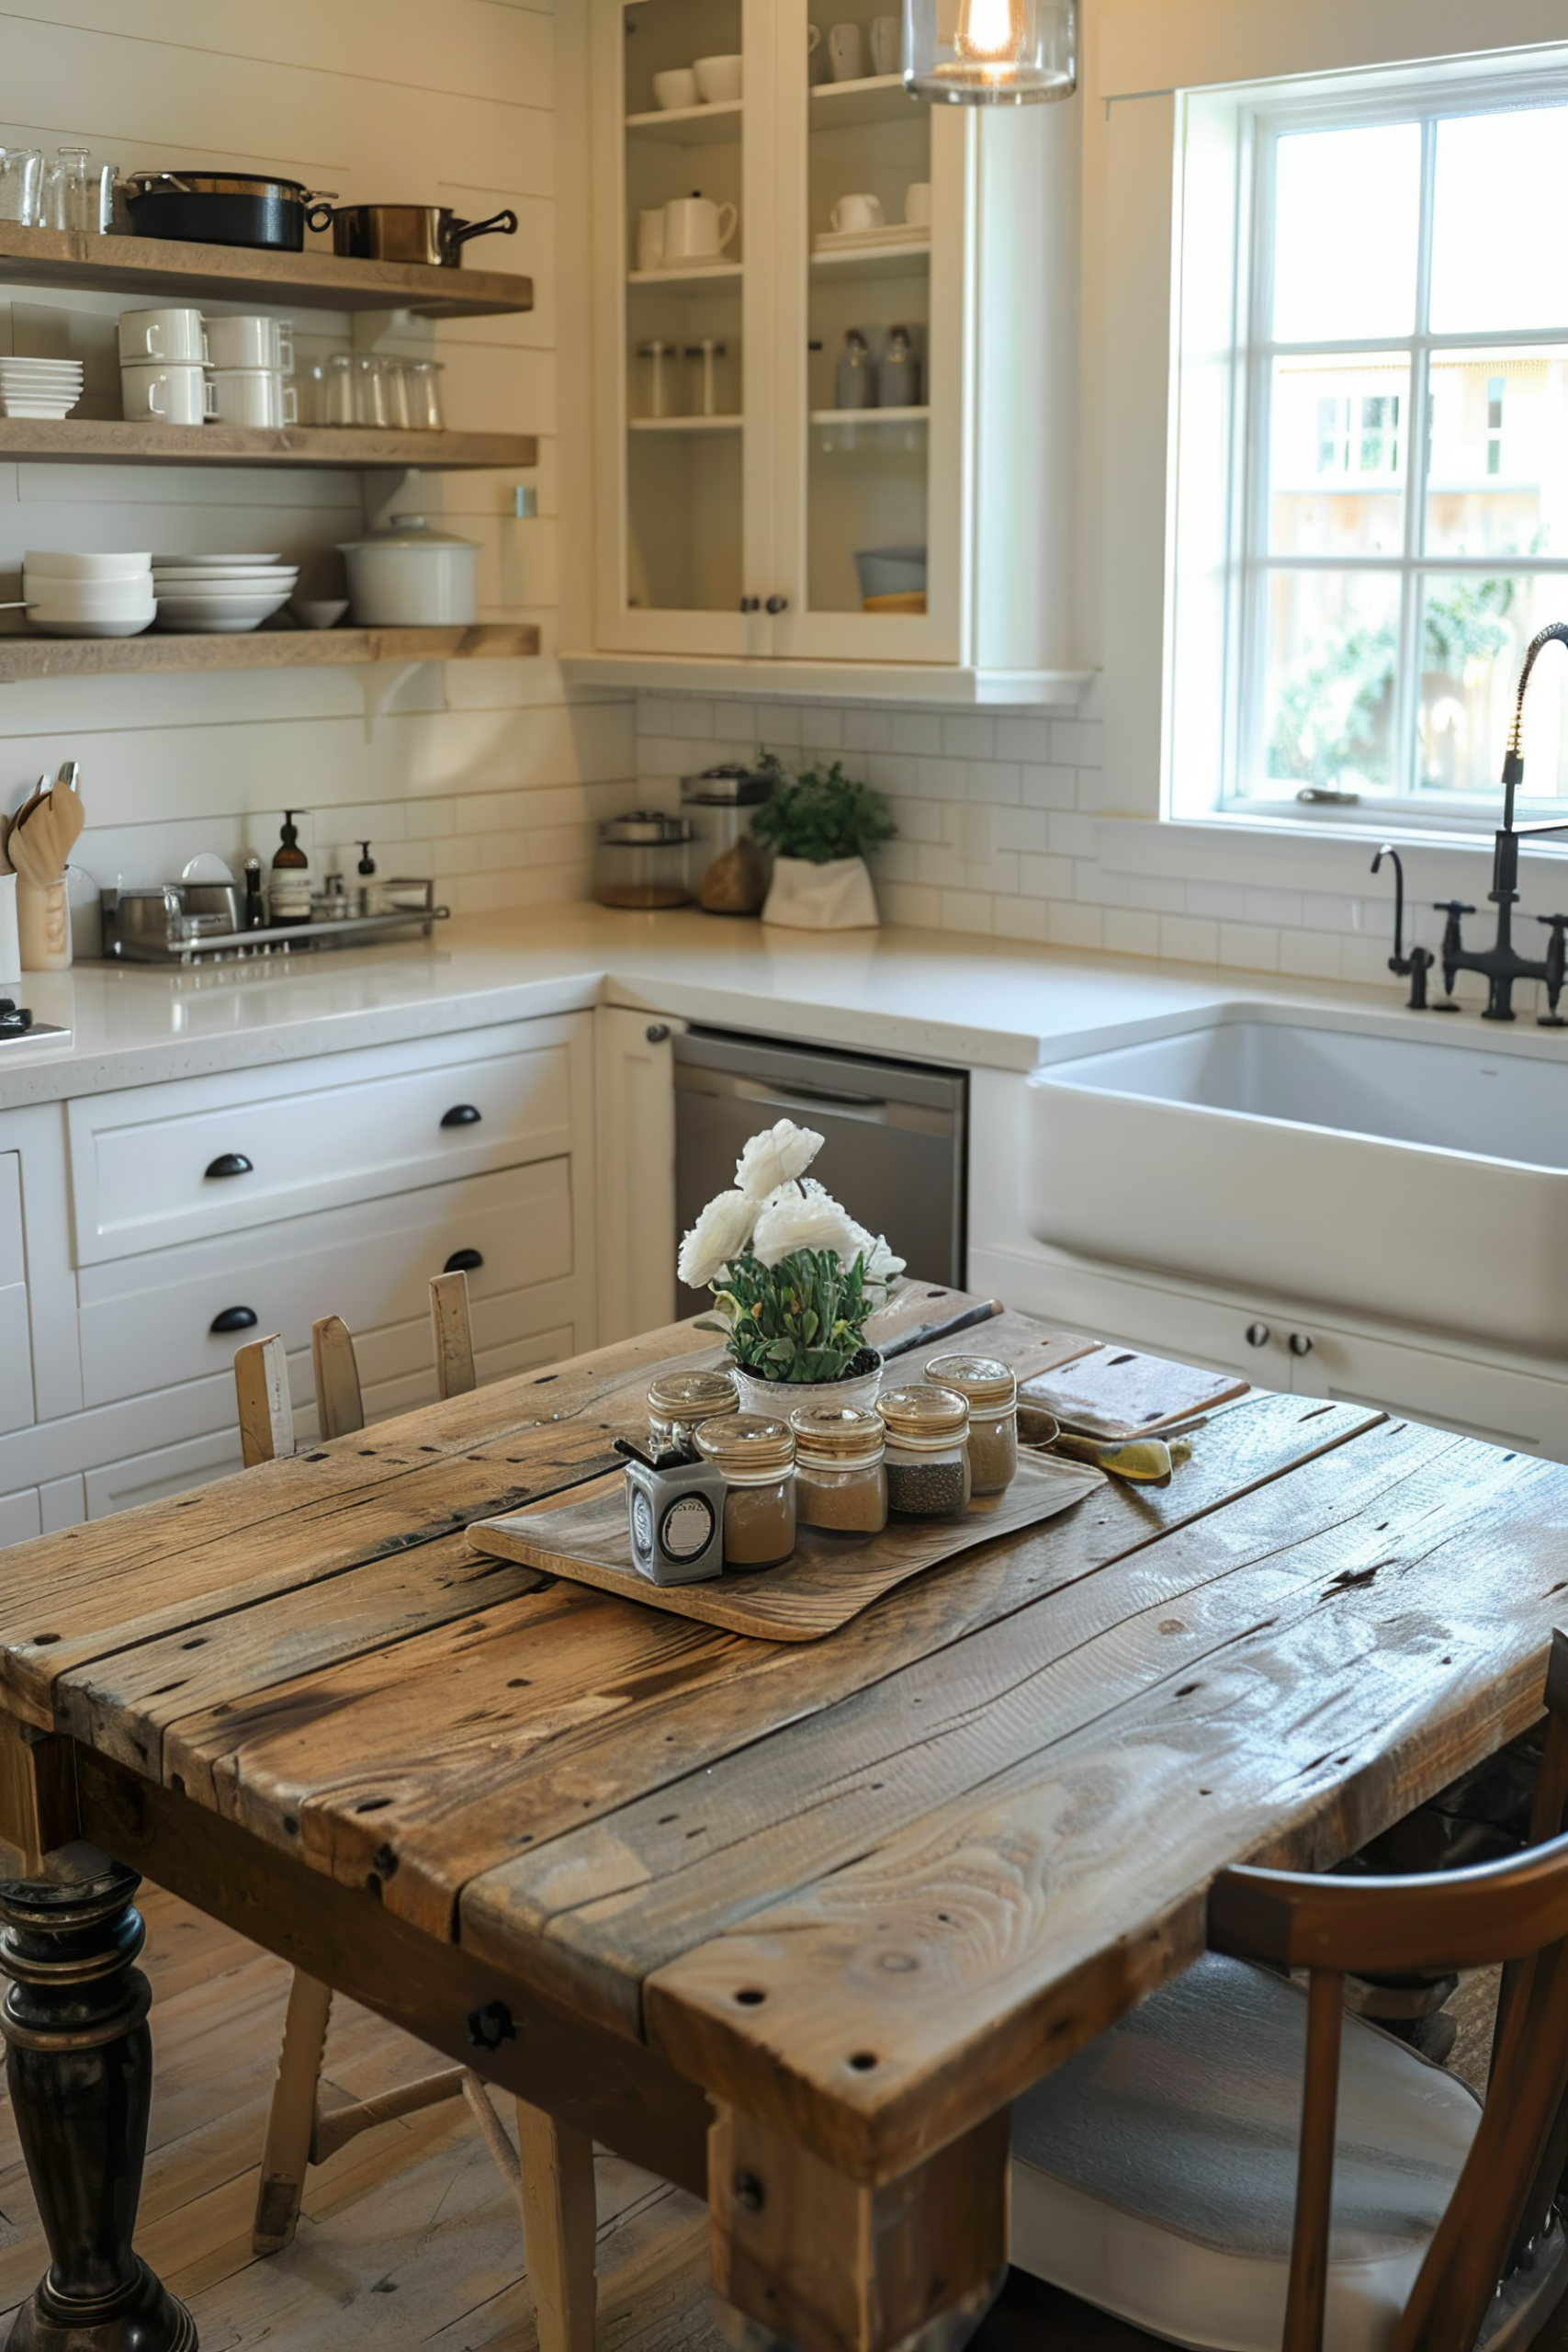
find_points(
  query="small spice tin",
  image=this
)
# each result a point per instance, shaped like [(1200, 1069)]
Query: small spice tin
[(990, 1389), (757, 1459), (841, 1473), (676, 1518), (928, 1451), (679, 1402)]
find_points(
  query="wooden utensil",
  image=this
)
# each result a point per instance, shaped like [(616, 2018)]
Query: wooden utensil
[(926, 1335)]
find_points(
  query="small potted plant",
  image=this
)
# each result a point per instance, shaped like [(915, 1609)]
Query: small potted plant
[(820, 825), (794, 1277)]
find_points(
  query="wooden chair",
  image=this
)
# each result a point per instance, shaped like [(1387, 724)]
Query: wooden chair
[(1177, 2180), (554, 2180)]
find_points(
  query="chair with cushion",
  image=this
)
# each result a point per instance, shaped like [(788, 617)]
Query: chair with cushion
[(1240, 2165)]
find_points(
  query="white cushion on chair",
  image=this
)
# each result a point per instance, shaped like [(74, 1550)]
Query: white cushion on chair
[(1154, 2173)]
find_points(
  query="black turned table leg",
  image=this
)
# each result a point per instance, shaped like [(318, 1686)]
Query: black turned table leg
[(79, 2067)]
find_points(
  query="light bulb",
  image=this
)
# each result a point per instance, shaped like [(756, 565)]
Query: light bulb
[(991, 52), (990, 33)]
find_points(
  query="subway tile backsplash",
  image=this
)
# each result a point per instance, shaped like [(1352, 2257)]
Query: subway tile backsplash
[(996, 816)]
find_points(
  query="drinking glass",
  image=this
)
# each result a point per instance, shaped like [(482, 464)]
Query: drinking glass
[(423, 379), (337, 392), (370, 402), (395, 376), (77, 193), (21, 185)]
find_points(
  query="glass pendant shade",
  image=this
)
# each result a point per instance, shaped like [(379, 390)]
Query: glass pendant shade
[(991, 53)]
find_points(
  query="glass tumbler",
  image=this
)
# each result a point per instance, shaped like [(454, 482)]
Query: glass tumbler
[(369, 379), (338, 390), (395, 374), (21, 185), (422, 378), (77, 193)]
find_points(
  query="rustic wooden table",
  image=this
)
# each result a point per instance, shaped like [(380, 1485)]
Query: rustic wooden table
[(791, 1924)]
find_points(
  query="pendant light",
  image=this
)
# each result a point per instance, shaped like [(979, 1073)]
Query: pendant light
[(991, 53)]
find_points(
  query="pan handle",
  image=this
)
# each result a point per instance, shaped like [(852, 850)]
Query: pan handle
[(143, 181), (321, 212), (500, 224)]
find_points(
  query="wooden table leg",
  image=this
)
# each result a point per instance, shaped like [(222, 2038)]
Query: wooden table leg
[(79, 2066), (559, 2226), (805, 2260)]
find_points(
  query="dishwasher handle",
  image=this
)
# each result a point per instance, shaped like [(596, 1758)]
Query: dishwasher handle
[(798, 1093)]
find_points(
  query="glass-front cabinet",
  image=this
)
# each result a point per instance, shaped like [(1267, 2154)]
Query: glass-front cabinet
[(781, 335)]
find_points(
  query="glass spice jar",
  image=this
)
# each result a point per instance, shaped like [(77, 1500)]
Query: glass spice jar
[(928, 1451), (757, 1458), (679, 1402), (990, 1389), (841, 1475)]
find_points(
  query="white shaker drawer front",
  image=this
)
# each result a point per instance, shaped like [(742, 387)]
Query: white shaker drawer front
[(161, 1164), (167, 1470), (15, 1338), (174, 1315)]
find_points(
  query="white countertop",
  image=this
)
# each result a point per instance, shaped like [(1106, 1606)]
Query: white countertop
[(934, 996)]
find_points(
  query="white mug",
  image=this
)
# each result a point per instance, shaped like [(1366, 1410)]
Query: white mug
[(172, 335), (846, 53), (918, 204), (650, 239), (675, 89), (253, 396), (718, 79), (852, 212), (177, 395), (252, 341), (816, 56), (886, 44), (695, 229)]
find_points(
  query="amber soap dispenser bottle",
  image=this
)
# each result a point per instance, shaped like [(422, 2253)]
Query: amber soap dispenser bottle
[(289, 895)]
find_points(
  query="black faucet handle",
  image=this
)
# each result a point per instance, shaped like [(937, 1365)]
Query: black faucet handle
[(1556, 969), (1450, 907)]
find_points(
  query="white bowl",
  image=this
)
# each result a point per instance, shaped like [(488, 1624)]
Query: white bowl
[(217, 562), (109, 599), (69, 625), (250, 593), (264, 575), (58, 371), (318, 612), (15, 406), (45, 563), (227, 614)]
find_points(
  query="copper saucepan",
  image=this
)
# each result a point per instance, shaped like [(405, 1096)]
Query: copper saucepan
[(419, 232)]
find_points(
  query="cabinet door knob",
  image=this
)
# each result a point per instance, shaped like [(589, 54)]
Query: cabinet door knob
[(658, 1033), (750, 603), (1259, 1335), (463, 1261), (1300, 1343), (233, 1319), (778, 604), (230, 1163), (461, 1115)]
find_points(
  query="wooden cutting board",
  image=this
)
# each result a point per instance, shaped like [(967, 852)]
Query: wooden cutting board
[(828, 1579), (1117, 1393)]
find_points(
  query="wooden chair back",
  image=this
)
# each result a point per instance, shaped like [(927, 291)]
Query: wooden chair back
[(261, 1375), (1514, 1912)]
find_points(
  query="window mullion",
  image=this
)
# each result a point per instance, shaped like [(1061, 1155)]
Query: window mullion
[(1417, 450)]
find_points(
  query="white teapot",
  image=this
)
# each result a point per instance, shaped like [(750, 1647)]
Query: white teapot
[(695, 229)]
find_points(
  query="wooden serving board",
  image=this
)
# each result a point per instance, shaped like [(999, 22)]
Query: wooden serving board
[(1116, 1393), (828, 1579)]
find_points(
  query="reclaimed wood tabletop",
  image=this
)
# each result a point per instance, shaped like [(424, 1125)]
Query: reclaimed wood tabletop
[(841, 1901)]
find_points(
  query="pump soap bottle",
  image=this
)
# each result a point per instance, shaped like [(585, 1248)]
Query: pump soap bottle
[(289, 896)]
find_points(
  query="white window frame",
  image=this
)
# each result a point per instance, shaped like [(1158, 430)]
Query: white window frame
[(1426, 100)]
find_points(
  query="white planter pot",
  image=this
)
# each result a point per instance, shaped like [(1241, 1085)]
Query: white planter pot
[(779, 1398), (835, 896)]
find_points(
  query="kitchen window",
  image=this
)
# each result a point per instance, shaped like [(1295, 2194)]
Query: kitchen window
[(1401, 467)]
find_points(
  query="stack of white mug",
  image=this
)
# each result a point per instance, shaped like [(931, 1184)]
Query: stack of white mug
[(176, 368)]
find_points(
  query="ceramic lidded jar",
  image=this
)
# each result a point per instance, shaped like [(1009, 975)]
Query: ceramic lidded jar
[(410, 576)]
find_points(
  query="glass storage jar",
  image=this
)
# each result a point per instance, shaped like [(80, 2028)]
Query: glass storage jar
[(990, 1390), (928, 1451), (641, 860), (757, 1458), (679, 1402), (840, 1472)]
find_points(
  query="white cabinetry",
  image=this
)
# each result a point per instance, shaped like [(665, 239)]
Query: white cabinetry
[(729, 533), (16, 1343)]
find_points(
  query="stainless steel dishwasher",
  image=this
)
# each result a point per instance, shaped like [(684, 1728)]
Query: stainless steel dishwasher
[(894, 1139)]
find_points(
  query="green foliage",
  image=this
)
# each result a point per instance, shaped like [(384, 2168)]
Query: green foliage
[(802, 1319), (819, 814)]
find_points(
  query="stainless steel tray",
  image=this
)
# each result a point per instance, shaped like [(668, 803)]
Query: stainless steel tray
[(287, 939)]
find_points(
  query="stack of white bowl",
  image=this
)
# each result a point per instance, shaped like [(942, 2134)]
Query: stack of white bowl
[(221, 595), (40, 387), (87, 596)]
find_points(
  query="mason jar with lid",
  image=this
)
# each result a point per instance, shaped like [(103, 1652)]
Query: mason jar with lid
[(641, 860), (841, 1475), (990, 1389), (757, 1458), (928, 1451), (679, 1402)]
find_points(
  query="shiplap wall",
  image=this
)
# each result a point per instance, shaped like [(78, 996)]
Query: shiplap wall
[(481, 774)]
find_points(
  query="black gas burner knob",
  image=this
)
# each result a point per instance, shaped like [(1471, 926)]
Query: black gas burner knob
[(15, 1019)]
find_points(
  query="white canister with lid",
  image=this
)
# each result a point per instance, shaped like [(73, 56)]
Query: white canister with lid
[(410, 576)]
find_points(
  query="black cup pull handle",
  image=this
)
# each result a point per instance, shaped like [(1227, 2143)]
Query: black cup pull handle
[(461, 1115), (233, 1319), (463, 1261), (230, 1163)]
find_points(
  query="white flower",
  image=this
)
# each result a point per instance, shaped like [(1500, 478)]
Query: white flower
[(808, 1219), (780, 1155), (719, 1234), (881, 1267)]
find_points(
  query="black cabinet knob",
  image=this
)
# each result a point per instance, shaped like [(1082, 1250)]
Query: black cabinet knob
[(658, 1033), (233, 1319), (461, 1115), (1259, 1335), (230, 1163), (750, 603), (1300, 1343), (463, 1261), (777, 605)]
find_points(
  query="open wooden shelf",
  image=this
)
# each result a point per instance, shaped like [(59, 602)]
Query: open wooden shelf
[(880, 98), (692, 277), (111, 441), (909, 258), (145, 266), (264, 649), (715, 126)]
